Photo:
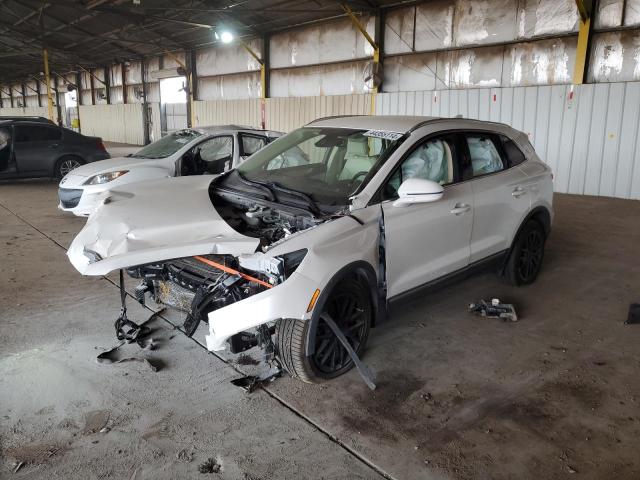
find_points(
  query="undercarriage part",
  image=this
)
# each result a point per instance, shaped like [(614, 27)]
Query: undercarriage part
[(125, 328)]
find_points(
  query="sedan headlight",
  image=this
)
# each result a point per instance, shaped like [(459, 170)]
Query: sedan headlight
[(105, 177)]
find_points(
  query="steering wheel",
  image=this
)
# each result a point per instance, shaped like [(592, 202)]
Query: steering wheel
[(354, 179)]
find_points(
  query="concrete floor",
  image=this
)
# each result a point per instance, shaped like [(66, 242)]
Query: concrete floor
[(459, 396)]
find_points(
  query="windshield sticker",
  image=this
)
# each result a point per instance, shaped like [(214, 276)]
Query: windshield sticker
[(383, 134)]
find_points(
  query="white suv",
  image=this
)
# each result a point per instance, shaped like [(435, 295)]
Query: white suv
[(325, 226)]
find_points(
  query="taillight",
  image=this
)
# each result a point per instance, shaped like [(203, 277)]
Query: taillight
[(101, 146)]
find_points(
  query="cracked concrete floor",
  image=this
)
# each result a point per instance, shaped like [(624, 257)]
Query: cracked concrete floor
[(554, 395)]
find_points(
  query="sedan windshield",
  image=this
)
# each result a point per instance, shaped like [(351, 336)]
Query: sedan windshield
[(326, 164), (167, 145)]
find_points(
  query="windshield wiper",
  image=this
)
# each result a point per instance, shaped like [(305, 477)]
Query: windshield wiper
[(311, 203), (259, 185)]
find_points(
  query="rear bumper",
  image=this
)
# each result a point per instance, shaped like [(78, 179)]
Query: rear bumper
[(290, 299)]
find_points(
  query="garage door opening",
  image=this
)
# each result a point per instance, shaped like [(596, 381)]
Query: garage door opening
[(173, 104)]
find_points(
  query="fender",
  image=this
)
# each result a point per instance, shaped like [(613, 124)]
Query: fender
[(362, 269)]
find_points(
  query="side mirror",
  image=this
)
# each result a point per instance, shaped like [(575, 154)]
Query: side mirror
[(418, 190)]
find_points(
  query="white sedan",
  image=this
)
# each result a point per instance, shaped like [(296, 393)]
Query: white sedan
[(301, 248), (195, 151)]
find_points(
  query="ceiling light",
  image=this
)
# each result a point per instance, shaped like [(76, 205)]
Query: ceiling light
[(226, 37)]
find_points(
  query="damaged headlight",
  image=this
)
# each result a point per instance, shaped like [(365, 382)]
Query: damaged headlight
[(276, 269), (105, 177), (91, 255), (293, 260)]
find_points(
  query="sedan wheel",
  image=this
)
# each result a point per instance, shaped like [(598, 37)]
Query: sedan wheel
[(66, 164)]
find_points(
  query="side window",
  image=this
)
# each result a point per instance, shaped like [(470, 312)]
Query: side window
[(513, 152), (432, 160), (215, 155), (484, 155), (251, 144), (36, 133)]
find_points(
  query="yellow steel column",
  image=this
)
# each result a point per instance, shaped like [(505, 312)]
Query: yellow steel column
[(582, 49), (47, 77), (263, 80), (374, 45)]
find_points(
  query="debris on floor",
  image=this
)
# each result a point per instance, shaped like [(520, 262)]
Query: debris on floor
[(142, 339), (95, 421), (495, 309), (31, 455), (209, 466), (115, 356), (634, 314), (251, 382)]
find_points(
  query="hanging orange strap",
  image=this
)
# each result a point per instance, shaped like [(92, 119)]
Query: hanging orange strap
[(232, 271)]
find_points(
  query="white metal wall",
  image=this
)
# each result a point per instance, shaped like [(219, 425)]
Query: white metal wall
[(26, 112), (588, 134), (225, 112), (114, 123)]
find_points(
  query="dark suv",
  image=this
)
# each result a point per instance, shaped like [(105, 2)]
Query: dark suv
[(33, 148)]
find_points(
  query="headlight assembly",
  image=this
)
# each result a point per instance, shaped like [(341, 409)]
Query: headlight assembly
[(105, 177)]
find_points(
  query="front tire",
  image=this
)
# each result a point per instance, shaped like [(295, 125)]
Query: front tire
[(65, 164), (525, 259), (349, 305)]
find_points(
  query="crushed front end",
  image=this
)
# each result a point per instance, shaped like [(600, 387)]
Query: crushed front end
[(203, 286)]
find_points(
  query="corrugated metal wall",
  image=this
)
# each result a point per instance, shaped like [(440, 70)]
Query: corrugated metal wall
[(285, 114), (225, 112), (25, 112), (124, 122), (589, 137)]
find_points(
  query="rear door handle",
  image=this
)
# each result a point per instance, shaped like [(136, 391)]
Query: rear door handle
[(460, 208), (518, 192)]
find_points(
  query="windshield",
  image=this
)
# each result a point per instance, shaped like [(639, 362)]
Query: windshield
[(167, 145), (326, 164)]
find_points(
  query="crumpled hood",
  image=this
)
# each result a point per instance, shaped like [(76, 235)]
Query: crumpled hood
[(111, 164), (154, 221)]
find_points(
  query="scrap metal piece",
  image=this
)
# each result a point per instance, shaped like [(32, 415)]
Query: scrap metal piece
[(495, 309), (634, 314), (251, 382), (364, 372)]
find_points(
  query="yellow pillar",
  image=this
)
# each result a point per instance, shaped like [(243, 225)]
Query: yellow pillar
[(585, 7), (581, 51), (47, 77)]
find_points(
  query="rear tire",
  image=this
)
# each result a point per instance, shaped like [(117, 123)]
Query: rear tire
[(65, 164), (349, 305), (527, 253)]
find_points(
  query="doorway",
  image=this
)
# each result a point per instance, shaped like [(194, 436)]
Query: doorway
[(173, 104)]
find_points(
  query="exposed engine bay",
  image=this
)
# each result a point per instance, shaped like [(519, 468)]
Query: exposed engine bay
[(201, 284)]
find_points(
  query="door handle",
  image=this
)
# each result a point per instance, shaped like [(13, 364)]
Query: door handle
[(54, 145), (460, 208), (518, 192)]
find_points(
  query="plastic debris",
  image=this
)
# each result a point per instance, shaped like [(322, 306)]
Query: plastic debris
[(495, 309)]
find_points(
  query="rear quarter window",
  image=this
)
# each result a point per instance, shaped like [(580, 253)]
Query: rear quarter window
[(512, 151)]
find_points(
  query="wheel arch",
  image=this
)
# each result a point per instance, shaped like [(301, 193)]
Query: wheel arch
[(366, 273), (541, 215), (61, 157)]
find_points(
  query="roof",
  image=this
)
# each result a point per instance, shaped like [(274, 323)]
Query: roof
[(208, 129), (400, 123), (95, 33)]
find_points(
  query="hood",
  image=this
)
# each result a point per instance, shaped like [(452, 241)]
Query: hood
[(111, 164), (154, 221)]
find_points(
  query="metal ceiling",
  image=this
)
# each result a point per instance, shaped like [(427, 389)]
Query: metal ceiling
[(92, 33)]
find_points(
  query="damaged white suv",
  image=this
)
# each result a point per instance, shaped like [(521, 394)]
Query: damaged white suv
[(301, 248)]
